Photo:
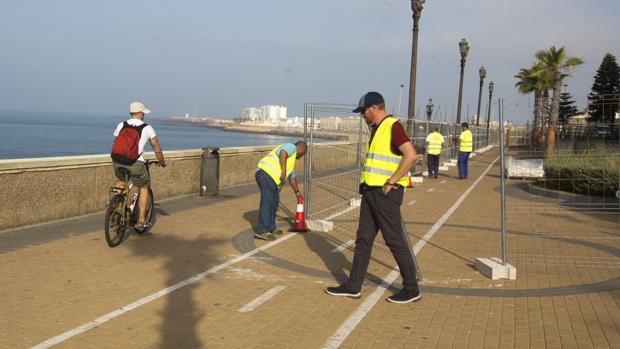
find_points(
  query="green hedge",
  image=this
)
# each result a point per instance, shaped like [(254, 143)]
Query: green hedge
[(594, 172)]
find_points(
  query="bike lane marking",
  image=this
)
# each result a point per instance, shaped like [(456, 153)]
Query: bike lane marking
[(358, 315), (343, 246), (142, 301), (261, 299), (161, 293)]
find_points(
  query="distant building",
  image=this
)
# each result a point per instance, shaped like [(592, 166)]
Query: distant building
[(275, 114), (252, 114), (295, 121), (581, 119), (267, 114), (330, 123), (338, 123)]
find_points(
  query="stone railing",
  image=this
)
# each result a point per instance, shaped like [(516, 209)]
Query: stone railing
[(46, 189)]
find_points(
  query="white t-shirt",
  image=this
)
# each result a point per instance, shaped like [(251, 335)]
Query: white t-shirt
[(148, 133)]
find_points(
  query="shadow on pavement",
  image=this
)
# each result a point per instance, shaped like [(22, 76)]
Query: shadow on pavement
[(184, 258), (336, 263)]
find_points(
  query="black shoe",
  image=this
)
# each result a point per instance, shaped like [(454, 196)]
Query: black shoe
[(343, 291), (265, 236), (435, 177), (405, 296), (276, 232)]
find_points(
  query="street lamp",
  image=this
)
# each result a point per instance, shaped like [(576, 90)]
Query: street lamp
[(483, 74), (429, 109), (400, 98), (491, 86), (429, 113), (464, 49), (416, 7)]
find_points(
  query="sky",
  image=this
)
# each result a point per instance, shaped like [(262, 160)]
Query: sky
[(214, 58)]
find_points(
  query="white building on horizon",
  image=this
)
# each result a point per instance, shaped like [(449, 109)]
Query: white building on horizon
[(267, 114), (251, 114)]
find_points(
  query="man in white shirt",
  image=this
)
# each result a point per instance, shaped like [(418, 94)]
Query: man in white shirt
[(137, 169)]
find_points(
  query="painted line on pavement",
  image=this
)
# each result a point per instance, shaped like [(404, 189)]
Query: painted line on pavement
[(343, 246), (142, 301), (358, 315), (430, 190), (261, 299), (444, 181), (412, 202)]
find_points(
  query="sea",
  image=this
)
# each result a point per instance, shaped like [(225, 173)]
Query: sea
[(47, 134)]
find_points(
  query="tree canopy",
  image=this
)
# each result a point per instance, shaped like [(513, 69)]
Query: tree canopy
[(603, 100)]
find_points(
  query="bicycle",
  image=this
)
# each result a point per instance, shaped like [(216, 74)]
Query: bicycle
[(122, 210)]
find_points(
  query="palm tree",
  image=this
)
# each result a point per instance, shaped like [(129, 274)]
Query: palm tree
[(527, 84), (535, 80), (558, 64)]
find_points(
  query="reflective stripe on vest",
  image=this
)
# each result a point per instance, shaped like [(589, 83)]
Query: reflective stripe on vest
[(466, 144), (271, 165), (434, 145), (380, 162)]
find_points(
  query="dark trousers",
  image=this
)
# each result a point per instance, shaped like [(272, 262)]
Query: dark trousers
[(380, 212), (269, 201), (433, 165), (462, 164)]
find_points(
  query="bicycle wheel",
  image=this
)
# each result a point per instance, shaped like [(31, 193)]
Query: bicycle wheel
[(148, 214), (114, 226)]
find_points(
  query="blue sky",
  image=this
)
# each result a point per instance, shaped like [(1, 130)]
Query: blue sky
[(217, 57)]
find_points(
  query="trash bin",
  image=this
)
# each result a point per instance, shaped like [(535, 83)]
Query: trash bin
[(210, 171)]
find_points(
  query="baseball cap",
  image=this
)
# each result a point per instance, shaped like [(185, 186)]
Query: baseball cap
[(371, 98), (137, 107)]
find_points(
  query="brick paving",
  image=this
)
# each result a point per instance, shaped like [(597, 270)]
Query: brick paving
[(59, 276)]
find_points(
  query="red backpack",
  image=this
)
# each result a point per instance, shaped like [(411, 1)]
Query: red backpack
[(125, 146)]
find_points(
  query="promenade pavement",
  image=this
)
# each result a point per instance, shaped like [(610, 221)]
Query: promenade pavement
[(199, 279)]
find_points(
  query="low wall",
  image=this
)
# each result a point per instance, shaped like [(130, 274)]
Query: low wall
[(45, 189)]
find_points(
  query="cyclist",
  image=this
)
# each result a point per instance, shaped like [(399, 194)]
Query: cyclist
[(130, 137)]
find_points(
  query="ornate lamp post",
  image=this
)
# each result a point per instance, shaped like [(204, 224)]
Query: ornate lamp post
[(483, 74), (416, 7), (400, 98), (491, 86), (429, 113), (464, 49)]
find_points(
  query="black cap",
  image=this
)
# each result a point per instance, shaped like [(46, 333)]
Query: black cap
[(371, 98)]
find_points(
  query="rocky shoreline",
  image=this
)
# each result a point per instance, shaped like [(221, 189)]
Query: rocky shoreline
[(259, 129)]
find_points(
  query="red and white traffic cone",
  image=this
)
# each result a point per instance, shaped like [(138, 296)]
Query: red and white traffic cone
[(299, 223), (410, 184)]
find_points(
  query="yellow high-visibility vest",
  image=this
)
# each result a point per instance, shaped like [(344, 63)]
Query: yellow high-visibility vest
[(435, 140), (380, 162), (271, 164), (466, 144)]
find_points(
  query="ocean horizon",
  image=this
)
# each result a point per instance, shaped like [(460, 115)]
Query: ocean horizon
[(48, 134)]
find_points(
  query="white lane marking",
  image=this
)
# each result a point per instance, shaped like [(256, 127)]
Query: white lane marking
[(412, 202), (354, 319), (142, 301), (430, 190), (261, 299), (444, 181), (343, 246)]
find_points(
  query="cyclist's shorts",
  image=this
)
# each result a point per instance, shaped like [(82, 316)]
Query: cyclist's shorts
[(139, 175)]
